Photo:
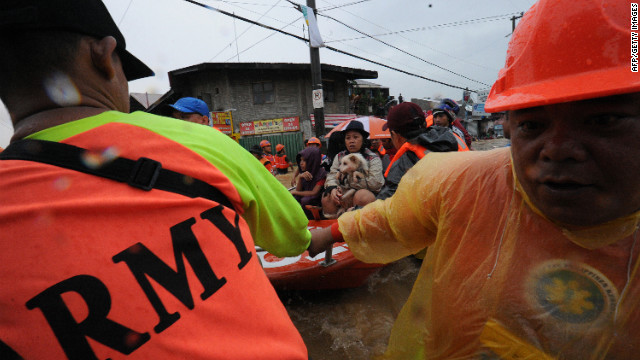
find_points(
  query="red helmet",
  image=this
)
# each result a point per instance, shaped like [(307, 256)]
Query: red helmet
[(561, 52), (264, 143), (314, 140), (279, 147)]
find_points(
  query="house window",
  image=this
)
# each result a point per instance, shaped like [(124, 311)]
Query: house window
[(263, 93), (328, 89)]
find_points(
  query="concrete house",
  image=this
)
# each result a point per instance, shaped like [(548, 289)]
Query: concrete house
[(264, 91)]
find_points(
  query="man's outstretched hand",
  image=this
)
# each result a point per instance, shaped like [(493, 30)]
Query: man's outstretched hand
[(321, 240)]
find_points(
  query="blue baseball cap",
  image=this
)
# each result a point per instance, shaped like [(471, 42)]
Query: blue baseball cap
[(191, 105)]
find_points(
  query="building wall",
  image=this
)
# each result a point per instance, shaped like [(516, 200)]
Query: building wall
[(224, 90)]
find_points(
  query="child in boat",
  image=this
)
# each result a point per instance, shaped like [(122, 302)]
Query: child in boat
[(311, 179)]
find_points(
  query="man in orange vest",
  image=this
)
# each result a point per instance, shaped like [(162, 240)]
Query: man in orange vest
[(126, 235), (532, 249), (282, 161), (413, 140), (256, 151)]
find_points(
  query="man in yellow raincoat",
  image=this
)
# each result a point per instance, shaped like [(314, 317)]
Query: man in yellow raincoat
[(531, 249)]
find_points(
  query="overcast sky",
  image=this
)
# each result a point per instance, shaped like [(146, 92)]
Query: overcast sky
[(458, 42)]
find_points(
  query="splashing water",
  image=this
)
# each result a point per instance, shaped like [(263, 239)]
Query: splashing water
[(94, 160), (61, 90)]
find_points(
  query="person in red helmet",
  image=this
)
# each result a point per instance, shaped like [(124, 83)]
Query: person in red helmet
[(265, 145), (532, 249), (282, 161)]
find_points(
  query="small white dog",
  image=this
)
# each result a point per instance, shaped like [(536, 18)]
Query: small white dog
[(352, 174)]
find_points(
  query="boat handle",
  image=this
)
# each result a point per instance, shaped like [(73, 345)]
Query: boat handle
[(328, 260)]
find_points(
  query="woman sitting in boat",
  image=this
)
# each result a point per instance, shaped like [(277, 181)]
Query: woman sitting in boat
[(369, 182), (310, 181)]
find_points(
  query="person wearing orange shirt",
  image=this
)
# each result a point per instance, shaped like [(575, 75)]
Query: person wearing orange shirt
[(127, 235)]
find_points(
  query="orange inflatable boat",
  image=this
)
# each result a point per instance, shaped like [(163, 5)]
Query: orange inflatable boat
[(337, 270)]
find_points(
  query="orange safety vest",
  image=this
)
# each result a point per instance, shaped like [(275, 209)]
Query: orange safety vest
[(271, 158), (429, 120), (268, 164), (281, 162), (462, 145), (419, 150), (96, 269)]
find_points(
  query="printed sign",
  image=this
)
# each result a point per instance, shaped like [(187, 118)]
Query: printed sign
[(222, 121), (270, 126), (478, 110), (318, 99)]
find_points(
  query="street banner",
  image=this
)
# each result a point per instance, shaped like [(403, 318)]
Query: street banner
[(314, 33), (271, 126)]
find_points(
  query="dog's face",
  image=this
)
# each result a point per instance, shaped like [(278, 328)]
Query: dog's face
[(351, 163)]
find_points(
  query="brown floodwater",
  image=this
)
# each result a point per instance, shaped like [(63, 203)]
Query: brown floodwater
[(352, 324)]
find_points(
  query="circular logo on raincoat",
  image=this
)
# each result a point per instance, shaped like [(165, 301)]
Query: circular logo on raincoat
[(573, 293)]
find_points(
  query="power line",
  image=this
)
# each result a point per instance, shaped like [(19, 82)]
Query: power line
[(457, 23), (343, 5), (246, 3), (259, 41), (327, 47), (403, 51), (415, 42), (125, 13)]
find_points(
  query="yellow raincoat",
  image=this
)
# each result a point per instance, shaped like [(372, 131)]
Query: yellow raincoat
[(499, 279)]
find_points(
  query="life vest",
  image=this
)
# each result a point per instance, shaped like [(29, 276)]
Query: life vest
[(267, 164), (429, 120), (281, 162), (382, 150), (419, 150), (103, 270), (462, 145), (270, 157)]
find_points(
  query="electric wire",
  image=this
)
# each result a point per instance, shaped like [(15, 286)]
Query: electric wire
[(423, 45), (246, 3), (260, 41), (439, 26), (403, 51), (125, 12), (343, 5), (327, 47)]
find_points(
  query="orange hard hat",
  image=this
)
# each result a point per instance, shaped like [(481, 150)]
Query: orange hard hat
[(264, 143), (314, 140), (279, 147), (566, 51)]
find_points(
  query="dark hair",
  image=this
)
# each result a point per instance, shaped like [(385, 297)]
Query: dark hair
[(28, 57)]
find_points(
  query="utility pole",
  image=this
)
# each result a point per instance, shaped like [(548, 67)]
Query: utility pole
[(513, 21), (316, 81)]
